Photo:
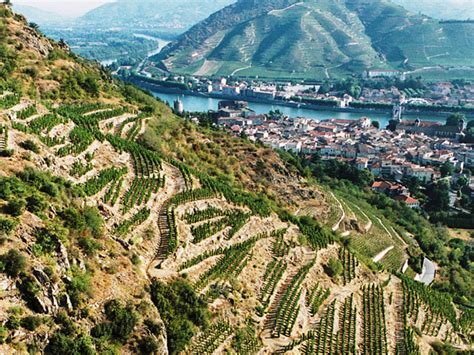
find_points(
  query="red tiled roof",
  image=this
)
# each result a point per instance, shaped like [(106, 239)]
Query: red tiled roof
[(407, 199), (381, 185)]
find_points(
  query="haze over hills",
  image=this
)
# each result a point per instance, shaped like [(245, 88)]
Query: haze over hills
[(116, 24), (441, 9), (39, 16), (174, 16), (318, 39)]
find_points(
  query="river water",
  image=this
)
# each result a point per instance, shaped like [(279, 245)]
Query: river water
[(203, 104)]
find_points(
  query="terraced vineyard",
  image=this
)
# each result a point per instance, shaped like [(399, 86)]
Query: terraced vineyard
[(316, 298), (211, 339), (349, 264), (374, 323), (107, 195), (223, 241), (3, 138)]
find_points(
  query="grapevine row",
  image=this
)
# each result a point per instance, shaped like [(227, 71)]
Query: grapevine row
[(208, 341), (374, 324), (96, 184), (137, 219), (349, 263), (272, 276), (229, 265), (27, 112), (316, 298), (287, 303), (346, 336), (321, 340)]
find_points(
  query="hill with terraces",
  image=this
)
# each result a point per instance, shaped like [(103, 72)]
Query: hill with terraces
[(126, 229), (320, 40)]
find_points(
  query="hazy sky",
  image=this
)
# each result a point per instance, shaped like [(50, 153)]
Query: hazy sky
[(64, 7)]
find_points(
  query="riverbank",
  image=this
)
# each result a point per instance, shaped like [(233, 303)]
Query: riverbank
[(291, 104)]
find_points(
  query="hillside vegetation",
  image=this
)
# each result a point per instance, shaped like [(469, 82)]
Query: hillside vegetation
[(316, 39), (126, 229)]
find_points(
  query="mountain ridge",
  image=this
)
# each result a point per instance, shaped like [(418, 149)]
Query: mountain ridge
[(342, 37), (172, 15)]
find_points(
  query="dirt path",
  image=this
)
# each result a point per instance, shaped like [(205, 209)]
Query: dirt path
[(390, 234), (174, 184), (382, 254), (341, 208), (369, 224)]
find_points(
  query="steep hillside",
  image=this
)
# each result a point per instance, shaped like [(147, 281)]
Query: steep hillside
[(125, 229), (318, 39)]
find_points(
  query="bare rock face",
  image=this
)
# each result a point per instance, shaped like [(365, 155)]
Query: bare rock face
[(63, 257), (35, 42), (46, 301)]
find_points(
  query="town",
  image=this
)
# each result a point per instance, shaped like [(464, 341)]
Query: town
[(409, 150), (373, 90)]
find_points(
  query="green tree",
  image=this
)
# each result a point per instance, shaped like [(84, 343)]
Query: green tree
[(438, 196), (334, 267), (454, 119), (181, 310), (14, 263), (6, 226), (15, 207), (447, 169)]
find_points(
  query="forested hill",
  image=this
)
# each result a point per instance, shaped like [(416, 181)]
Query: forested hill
[(127, 229), (317, 39)]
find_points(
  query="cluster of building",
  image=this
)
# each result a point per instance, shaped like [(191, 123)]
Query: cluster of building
[(394, 155), (439, 93), (397, 191)]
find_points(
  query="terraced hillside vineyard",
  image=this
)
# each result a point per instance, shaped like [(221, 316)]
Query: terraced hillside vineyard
[(125, 229), (317, 40)]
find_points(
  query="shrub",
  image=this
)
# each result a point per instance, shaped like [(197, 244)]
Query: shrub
[(148, 345), (29, 289), (6, 226), (334, 267), (181, 310), (88, 220), (31, 322), (30, 145), (89, 245), (6, 153), (14, 263), (61, 343), (80, 284), (15, 207), (3, 334), (94, 221), (36, 203), (50, 188), (47, 240), (121, 322)]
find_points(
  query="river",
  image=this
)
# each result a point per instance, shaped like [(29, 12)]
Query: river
[(203, 104)]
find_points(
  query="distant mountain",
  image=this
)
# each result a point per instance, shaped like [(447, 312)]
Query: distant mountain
[(39, 16), (441, 9), (319, 39), (172, 15)]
